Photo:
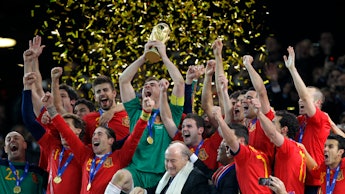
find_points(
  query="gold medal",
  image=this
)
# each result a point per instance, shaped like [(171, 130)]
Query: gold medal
[(88, 187), (17, 189), (149, 140), (57, 179)]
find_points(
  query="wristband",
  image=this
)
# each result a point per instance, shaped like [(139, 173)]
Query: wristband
[(145, 116)]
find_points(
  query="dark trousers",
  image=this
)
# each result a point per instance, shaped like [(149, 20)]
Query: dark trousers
[(311, 189)]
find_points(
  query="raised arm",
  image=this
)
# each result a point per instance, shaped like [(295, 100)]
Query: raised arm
[(334, 128), (217, 47), (268, 126), (223, 93), (227, 133), (31, 64), (301, 88), (126, 89), (174, 72), (206, 95), (165, 111), (192, 76), (29, 118), (56, 73), (79, 149), (258, 83)]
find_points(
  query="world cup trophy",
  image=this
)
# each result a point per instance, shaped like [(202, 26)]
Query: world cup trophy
[(160, 32)]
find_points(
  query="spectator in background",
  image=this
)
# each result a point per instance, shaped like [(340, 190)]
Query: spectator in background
[(327, 51), (304, 59)]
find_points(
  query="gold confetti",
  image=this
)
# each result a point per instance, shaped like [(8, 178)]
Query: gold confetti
[(105, 36)]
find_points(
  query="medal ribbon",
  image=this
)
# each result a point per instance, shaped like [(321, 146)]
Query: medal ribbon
[(330, 186), (253, 122), (151, 122), (94, 168), (13, 169), (198, 148), (101, 111), (62, 169), (221, 172), (301, 130)]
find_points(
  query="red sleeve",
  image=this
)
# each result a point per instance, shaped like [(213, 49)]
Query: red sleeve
[(78, 148), (130, 145)]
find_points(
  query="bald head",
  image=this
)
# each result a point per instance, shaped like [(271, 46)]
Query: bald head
[(15, 147), (176, 157)]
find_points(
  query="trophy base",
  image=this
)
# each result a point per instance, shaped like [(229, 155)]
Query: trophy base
[(152, 56)]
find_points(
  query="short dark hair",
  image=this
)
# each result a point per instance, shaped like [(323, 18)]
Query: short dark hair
[(101, 79), (111, 134), (235, 94), (240, 131), (290, 121), (340, 140), (198, 119), (151, 79), (77, 122), (72, 93), (88, 103)]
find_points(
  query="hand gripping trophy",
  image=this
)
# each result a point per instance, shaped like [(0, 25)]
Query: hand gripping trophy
[(160, 32)]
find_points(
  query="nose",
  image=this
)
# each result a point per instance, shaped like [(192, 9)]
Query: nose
[(325, 148)]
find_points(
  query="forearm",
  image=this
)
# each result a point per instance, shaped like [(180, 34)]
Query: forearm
[(299, 84), (207, 100), (259, 87), (126, 89), (29, 117), (38, 83), (188, 103), (335, 129), (227, 106), (310, 162), (270, 130), (129, 73), (57, 98), (219, 72), (228, 135), (206, 94), (52, 111), (166, 115), (176, 76)]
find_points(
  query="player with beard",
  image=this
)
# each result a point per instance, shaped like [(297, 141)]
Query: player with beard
[(331, 171), (147, 165), (191, 132), (105, 94)]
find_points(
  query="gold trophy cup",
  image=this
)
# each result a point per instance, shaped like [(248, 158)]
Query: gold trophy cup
[(160, 32)]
